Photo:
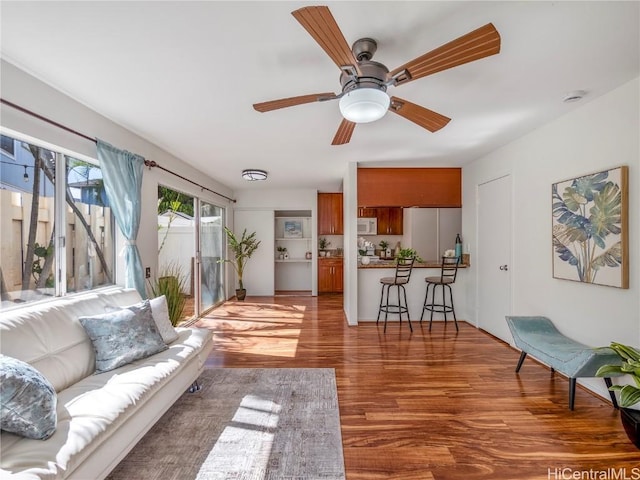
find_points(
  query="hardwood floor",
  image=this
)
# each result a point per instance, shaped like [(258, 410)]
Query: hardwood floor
[(439, 405)]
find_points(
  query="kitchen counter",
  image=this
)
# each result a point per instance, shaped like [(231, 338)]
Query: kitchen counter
[(369, 290), (392, 264)]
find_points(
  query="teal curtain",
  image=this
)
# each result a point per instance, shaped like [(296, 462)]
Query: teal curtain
[(122, 174)]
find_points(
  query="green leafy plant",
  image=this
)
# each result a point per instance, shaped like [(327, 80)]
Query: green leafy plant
[(282, 249), (629, 394), (323, 243), (587, 211), (42, 253), (242, 250), (409, 253), (170, 283), (383, 244)]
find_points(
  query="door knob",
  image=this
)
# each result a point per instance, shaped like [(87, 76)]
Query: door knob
[(504, 267)]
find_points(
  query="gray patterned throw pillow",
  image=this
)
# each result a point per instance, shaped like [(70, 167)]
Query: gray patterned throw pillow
[(27, 400), (122, 336)]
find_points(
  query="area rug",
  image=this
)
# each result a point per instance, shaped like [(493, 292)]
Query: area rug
[(246, 424)]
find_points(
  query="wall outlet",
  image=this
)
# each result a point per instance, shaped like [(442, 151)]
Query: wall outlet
[(147, 272)]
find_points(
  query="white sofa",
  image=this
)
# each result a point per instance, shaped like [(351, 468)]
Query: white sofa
[(100, 417)]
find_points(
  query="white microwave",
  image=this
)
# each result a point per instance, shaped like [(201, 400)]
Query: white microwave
[(367, 226)]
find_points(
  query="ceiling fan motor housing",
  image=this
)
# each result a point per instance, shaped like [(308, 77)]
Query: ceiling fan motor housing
[(374, 75)]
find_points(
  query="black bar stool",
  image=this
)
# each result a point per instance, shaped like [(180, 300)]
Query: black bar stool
[(448, 273), (404, 266)]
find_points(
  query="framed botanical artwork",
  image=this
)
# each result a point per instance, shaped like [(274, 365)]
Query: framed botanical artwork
[(590, 228), (293, 229)]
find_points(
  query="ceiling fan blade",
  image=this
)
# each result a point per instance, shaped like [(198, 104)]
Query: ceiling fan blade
[(343, 135), (292, 101), (483, 42), (424, 117), (319, 22)]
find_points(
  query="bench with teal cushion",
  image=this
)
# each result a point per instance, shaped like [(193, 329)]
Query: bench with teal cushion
[(538, 337)]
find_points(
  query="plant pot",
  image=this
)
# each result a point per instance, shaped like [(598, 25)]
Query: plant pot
[(241, 293), (631, 423), (323, 253)]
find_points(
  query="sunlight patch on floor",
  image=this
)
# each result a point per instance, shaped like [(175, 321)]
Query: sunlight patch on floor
[(258, 328), (252, 433)]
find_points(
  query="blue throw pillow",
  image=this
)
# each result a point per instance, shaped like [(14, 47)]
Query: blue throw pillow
[(122, 336), (27, 400)]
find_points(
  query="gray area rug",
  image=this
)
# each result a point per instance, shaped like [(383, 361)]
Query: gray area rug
[(246, 424)]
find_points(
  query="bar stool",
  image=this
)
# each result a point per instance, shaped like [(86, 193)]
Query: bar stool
[(404, 266), (448, 273)]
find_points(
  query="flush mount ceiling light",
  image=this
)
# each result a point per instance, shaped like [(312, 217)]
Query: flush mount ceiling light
[(253, 174), (364, 105)]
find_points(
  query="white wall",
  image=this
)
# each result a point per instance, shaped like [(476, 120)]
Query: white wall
[(603, 133), (25, 90), (350, 205), (259, 275)]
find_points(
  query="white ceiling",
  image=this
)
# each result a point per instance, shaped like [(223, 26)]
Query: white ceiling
[(184, 75)]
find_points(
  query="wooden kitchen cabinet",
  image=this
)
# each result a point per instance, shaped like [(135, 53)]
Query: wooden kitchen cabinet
[(366, 212), (330, 275), (330, 215), (390, 220), (410, 187)]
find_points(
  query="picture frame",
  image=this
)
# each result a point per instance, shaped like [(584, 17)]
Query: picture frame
[(292, 229), (590, 231)]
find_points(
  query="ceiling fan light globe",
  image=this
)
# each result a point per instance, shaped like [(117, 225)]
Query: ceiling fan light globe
[(364, 105)]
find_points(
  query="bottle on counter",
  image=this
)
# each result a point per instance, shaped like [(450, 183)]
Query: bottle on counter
[(397, 251), (458, 246)]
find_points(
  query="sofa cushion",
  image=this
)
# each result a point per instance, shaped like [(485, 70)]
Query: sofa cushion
[(160, 312), (27, 400), (122, 336)]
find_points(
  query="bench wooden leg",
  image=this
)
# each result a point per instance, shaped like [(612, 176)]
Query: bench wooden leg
[(572, 392), (523, 355), (608, 383)]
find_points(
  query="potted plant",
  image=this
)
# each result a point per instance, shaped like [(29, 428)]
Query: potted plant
[(283, 251), (242, 250), (171, 283), (409, 253), (384, 246), (323, 243), (629, 394)]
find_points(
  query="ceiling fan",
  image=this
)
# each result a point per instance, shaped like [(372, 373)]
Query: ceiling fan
[(364, 82)]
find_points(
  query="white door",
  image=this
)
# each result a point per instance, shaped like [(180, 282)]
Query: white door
[(494, 255)]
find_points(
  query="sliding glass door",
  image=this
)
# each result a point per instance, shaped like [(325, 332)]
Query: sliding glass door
[(191, 243), (211, 251)]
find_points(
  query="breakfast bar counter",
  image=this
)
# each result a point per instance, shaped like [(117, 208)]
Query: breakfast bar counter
[(369, 289), (392, 264)]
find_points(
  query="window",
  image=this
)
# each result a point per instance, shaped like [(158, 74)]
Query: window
[(7, 146), (38, 260)]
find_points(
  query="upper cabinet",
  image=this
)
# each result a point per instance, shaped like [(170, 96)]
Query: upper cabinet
[(389, 220), (330, 214), (410, 187), (366, 212)]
